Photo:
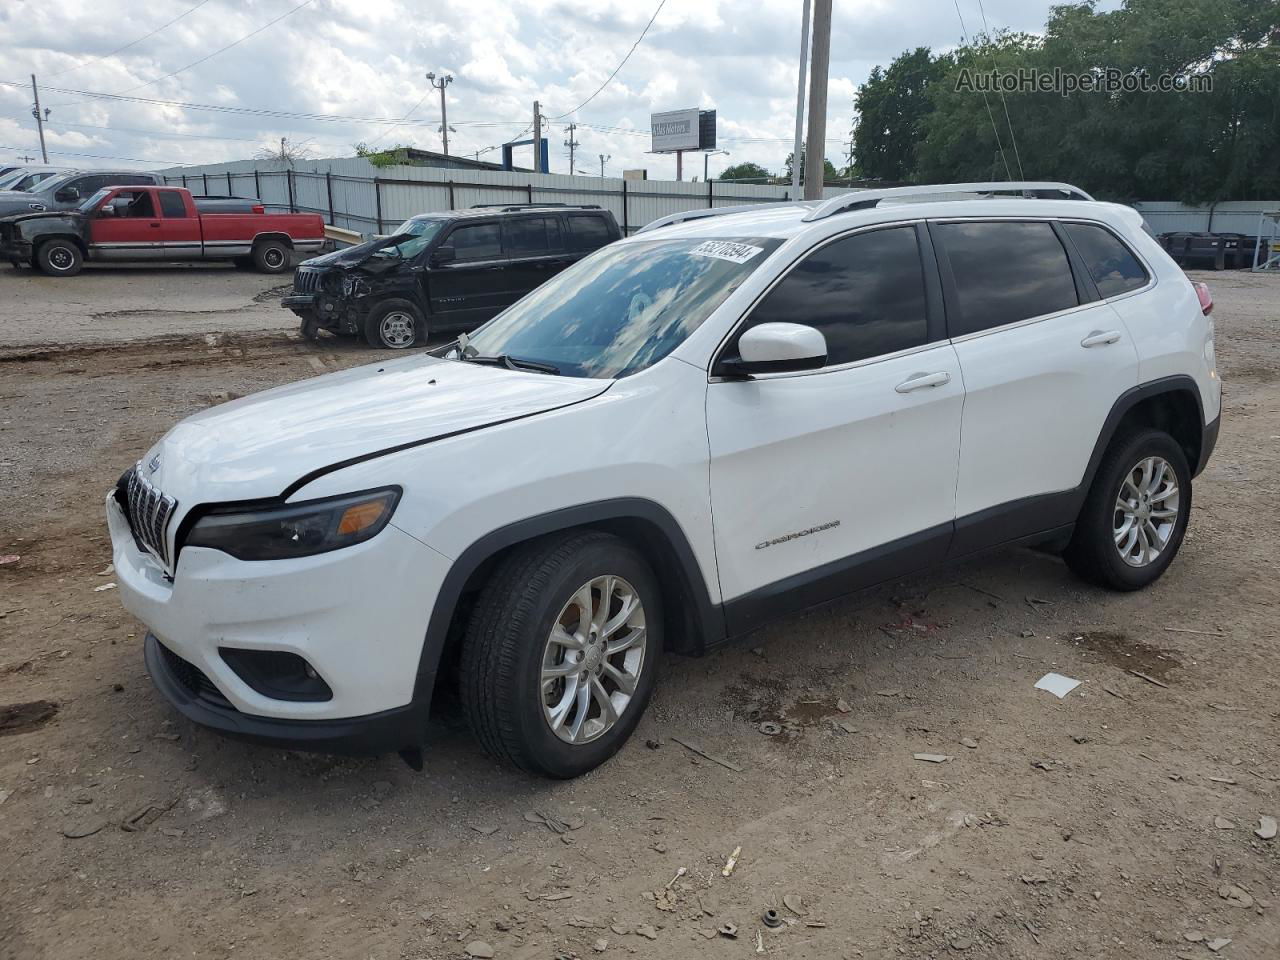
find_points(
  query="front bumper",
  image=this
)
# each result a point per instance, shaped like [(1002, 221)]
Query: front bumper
[(299, 302), (17, 251), (357, 616), (375, 733)]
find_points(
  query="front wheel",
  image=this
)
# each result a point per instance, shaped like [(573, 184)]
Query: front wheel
[(394, 325), (561, 653), (59, 258), (1135, 515)]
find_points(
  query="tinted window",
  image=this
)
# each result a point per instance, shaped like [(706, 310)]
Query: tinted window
[(588, 233), (865, 293), (171, 203), (1005, 272), (477, 241), (531, 236), (1114, 269)]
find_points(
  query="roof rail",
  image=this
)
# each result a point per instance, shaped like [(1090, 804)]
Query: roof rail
[(512, 207), (866, 199), (686, 215)]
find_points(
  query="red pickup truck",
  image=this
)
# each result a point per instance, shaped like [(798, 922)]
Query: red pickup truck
[(158, 223)]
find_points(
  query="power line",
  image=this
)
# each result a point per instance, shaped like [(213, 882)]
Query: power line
[(96, 156), (661, 4), (964, 36), (1012, 139), (131, 43)]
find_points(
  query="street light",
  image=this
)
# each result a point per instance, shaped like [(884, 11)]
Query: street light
[(445, 80), (710, 153), (604, 158)]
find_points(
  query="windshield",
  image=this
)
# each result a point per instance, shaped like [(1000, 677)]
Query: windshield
[(8, 180), (410, 238), (623, 308), (93, 201)]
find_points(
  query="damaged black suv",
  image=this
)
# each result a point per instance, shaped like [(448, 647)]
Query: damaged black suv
[(443, 271)]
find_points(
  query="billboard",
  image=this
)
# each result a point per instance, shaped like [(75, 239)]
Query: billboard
[(674, 130)]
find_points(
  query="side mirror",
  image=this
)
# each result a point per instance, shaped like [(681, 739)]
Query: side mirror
[(776, 348), (67, 195), (445, 254)]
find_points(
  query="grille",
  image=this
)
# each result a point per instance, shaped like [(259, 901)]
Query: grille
[(306, 281), (149, 514), (192, 679)]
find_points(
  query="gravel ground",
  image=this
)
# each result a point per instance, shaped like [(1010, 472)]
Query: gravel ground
[(1117, 822)]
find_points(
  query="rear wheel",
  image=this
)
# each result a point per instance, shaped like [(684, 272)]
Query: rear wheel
[(59, 258), (561, 653), (1135, 515), (394, 325), (271, 256)]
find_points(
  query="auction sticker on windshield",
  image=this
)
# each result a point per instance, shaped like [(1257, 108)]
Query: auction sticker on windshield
[(726, 250)]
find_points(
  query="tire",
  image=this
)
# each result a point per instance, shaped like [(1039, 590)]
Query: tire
[(1128, 470), (271, 256), (394, 325), (59, 258), (508, 644)]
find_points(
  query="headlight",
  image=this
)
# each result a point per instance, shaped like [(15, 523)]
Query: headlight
[(354, 287), (298, 529)]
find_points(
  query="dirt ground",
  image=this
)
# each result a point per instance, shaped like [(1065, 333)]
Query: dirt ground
[(1117, 822)]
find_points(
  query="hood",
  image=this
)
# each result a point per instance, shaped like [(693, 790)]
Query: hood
[(356, 255), (17, 201), (40, 214), (256, 447)]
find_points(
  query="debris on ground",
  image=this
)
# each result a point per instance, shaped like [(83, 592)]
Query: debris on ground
[(646, 930), (1235, 895), (729, 930), (104, 586), (85, 828), (794, 903), (1223, 823), (969, 742), (1218, 943), (679, 873), (932, 757), (771, 919), (1229, 781), (553, 823), (1142, 676), (891, 692), (485, 830), (846, 726), (693, 748), (601, 945), (107, 571), (1057, 684), (653, 744), (843, 706), (1266, 828), (730, 863), (479, 950), (770, 729), (9, 558)]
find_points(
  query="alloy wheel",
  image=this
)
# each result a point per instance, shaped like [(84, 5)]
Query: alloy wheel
[(397, 330), (1146, 511), (593, 659)]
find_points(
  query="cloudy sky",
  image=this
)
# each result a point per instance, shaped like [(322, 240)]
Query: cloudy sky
[(360, 62)]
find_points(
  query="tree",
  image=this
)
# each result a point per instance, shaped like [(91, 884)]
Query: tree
[(747, 172), (388, 157), (891, 106), (829, 172), (288, 152), (1122, 144)]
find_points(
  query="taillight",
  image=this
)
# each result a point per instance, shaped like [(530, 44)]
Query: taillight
[(259, 208), (1205, 297)]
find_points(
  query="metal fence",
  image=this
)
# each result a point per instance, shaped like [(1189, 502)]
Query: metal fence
[(355, 195)]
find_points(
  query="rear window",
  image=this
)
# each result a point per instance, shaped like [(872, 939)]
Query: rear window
[(171, 204), (532, 236), (588, 233), (1114, 269), (1005, 271), (476, 241)]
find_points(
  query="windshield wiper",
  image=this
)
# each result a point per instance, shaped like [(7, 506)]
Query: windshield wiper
[(513, 363)]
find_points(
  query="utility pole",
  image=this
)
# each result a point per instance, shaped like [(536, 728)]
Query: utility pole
[(40, 118), (604, 158), (572, 144), (817, 138), (444, 81), (804, 62), (537, 138)]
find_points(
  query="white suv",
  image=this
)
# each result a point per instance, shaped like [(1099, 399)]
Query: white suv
[(725, 419)]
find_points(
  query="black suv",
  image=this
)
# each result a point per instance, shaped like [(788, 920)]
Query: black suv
[(443, 271)]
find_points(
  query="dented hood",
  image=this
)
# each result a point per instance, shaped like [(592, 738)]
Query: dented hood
[(258, 446)]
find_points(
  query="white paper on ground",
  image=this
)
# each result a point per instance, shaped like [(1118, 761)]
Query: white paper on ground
[(1057, 684)]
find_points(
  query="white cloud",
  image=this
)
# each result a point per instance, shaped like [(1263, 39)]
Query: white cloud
[(367, 59)]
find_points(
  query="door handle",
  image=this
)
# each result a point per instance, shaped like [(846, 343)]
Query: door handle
[(918, 381), (155, 225), (1100, 338)]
